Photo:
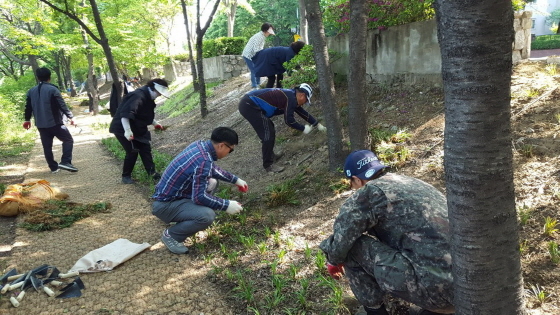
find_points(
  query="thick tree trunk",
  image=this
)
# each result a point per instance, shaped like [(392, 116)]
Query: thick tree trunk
[(201, 81), (357, 85), (326, 85), (475, 40)]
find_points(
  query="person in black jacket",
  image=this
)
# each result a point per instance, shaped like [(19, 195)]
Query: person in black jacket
[(130, 126), (269, 62), (45, 103)]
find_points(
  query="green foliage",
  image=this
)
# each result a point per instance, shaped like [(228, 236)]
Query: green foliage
[(550, 226), (13, 138), (58, 214), (381, 14), (283, 193), (302, 67), (554, 252), (524, 212), (181, 57), (223, 46), (546, 42)]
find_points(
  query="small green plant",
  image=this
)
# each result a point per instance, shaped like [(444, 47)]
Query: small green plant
[(524, 212), (551, 69), (320, 261), (245, 288), (224, 193), (538, 293), (283, 193), (100, 126), (550, 226), (336, 299), (554, 252), (247, 241), (523, 247), (340, 185), (262, 248), (533, 93), (307, 252), (527, 150), (557, 116)]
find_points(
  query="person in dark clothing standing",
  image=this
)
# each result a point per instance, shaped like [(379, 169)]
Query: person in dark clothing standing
[(45, 103), (269, 62), (259, 105), (130, 127)]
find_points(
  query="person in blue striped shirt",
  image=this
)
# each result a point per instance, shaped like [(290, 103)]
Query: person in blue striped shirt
[(184, 194)]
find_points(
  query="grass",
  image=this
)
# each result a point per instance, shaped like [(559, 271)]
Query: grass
[(524, 212), (550, 226), (554, 252), (184, 101), (161, 161), (58, 214)]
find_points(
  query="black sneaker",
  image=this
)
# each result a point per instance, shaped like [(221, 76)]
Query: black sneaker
[(67, 167), (127, 180)]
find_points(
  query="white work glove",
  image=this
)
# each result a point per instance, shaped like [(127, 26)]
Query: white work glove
[(234, 207), (212, 184), (241, 185), (128, 134), (307, 129), (321, 128)]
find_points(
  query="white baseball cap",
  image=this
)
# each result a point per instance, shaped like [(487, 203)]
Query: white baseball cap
[(271, 31), (163, 90)]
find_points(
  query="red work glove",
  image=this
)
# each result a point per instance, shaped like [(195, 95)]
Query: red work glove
[(242, 185), (336, 271), (73, 122), (27, 125), (159, 127)]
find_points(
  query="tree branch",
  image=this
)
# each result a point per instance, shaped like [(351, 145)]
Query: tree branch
[(73, 17)]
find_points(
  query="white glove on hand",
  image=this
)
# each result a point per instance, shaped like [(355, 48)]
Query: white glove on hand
[(128, 134), (307, 129), (321, 128), (241, 185), (234, 207)]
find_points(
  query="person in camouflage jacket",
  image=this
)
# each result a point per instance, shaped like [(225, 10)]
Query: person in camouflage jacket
[(392, 237)]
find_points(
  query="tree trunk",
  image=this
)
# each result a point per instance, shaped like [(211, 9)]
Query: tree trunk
[(200, 31), (303, 22), (104, 42), (231, 18), (357, 85), (68, 74), (326, 85), (475, 39), (57, 68), (189, 44), (91, 82)]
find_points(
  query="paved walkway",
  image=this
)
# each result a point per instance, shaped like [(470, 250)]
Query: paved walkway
[(153, 282), (544, 53)]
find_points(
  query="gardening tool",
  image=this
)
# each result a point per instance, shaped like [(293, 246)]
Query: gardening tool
[(10, 274), (72, 290)]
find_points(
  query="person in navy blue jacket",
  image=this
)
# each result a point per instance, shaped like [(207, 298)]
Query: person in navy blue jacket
[(269, 62), (259, 105)]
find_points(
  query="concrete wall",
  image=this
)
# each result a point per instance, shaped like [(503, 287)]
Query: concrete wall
[(410, 53), (215, 68)]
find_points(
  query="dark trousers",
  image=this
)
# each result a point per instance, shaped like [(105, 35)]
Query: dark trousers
[(262, 125), (62, 134), (278, 78), (145, 151)]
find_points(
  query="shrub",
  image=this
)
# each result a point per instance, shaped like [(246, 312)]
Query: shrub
[(381, 15), (223, 46), (181, 57), (302, 69), (546, 42)]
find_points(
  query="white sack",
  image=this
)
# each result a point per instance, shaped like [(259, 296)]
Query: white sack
[(109, 256)]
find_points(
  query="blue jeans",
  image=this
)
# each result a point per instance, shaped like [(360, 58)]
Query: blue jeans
[(62, 133), (189, 217), (255, 81)]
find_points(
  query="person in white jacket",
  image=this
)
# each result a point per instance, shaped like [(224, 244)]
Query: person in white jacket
[(254, 45)]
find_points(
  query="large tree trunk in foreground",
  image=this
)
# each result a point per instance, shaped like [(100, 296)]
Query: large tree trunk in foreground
[(475, 39), (357, 84)]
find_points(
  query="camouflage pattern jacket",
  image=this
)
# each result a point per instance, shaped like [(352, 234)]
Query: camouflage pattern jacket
[(402, 212)]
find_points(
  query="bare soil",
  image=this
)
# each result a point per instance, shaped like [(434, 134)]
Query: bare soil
[(535, 104)]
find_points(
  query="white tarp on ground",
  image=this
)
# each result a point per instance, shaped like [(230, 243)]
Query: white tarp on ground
[(109, 256)]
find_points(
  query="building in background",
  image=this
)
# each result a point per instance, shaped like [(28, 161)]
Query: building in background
[(541, 9)]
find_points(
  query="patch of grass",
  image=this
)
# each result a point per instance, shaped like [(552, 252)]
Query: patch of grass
[(524, 212), (554, 252), (340, 185), (161, 161), (100, 126), (538, 293), (58, 214), (527, 150), (550, 226), (551, 69), (17, 146), (284, 193), (184, 101)]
